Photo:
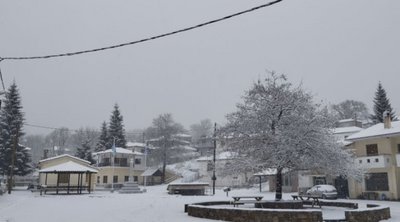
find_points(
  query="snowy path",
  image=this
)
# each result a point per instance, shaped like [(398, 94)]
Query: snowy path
[(155, 205)]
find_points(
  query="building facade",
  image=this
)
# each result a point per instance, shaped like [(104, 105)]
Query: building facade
[(377, 150), (117, 168)]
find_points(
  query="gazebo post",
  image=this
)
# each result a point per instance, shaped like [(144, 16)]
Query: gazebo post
[(80, 187), (79, 179), (58, 182), (69, 180), (90, 180)]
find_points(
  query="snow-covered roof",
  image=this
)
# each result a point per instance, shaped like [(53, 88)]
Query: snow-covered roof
[(183, 135), (349, 129), (149, 172), (269, 172), (345, 120), (68, 167), (137, 144), (117, 150), (377, 131), (220, 156), (64, 155)]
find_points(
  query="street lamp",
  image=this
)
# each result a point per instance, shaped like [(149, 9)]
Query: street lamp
[(114, 151), (214, 178)]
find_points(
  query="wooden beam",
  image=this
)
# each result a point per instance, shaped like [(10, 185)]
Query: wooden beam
[(58, 182), (90, 180), (69, 180)]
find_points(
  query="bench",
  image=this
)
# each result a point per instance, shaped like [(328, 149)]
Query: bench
[(248, 200), (44, 189), (314, 199)]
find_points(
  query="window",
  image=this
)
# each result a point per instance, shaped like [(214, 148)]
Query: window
[(138, 161), (105, 179), (63, 178), (368, 161), (398, 148), (210, 166), (115, 179), (372, 149), (98, 179), (377, 182), (286, 180), (376, 160), (360, 161), (135, 178), (126, 178)]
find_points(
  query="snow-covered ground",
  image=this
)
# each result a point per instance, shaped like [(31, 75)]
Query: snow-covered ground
[(154, 205)]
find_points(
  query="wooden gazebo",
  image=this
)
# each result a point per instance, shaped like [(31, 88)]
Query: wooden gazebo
[(68, 177)]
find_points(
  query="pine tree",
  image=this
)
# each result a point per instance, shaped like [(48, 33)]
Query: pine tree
[(381, 104), (116, 129), (102, 144), (84, 152), (11, 123)]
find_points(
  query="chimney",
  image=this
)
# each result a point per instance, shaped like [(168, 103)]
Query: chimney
[(387, 122)]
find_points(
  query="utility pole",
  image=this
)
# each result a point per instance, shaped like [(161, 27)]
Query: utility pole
[(10, 179), (214, 178)]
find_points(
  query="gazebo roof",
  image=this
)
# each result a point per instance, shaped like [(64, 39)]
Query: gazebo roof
[(68, 167)]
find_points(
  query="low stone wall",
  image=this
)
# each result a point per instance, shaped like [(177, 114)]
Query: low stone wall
[(295, 204), (339, 204), (251, 214), (374, 214)]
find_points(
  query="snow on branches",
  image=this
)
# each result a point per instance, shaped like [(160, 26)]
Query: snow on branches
[(279, 126)]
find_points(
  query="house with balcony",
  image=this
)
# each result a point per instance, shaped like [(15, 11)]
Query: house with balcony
[(377, 150), (117, 168)]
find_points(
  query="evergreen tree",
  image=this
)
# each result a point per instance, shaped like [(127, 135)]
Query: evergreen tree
[(116, 129), (381, 104), (85, 152), (11, 123), (103, 142)]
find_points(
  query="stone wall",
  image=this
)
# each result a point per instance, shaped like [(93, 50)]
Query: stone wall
[(368, 215), (246, 215)]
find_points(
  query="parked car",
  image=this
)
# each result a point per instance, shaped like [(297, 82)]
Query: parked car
[(323, 191)]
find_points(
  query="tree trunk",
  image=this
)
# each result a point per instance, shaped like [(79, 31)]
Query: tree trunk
[(278, 192)]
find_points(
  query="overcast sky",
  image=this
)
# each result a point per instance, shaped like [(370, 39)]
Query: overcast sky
[(338, 49)]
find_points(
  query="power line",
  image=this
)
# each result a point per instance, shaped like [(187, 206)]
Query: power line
[(145, 39), (71, 130)]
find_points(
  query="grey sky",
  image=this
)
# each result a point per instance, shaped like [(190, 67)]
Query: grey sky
[(338, 49)]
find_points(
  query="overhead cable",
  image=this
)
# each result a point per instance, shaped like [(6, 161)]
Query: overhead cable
[(145, 39)]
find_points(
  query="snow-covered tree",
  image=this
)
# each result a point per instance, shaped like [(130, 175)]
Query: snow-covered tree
[(116, 128), (381, 104), (58, 140), (350, 109), (102, 143), (279, 126), (85, 152), (201, 130), (162, 135), (14, 158)]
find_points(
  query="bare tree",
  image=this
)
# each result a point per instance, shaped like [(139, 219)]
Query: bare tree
[(162, 134), (57, 139), (349, 109), (201, 130)]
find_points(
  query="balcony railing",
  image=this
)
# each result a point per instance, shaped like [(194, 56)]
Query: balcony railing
[(116, 164), (379, 161)]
